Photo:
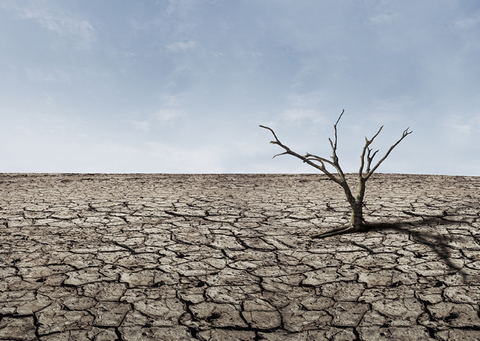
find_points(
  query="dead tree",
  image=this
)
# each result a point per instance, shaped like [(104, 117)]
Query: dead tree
[(357, 223)]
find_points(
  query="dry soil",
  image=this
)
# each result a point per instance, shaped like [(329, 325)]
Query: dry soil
[(231, 257)]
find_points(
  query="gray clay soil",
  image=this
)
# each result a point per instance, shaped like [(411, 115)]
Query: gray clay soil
[(230, 257)]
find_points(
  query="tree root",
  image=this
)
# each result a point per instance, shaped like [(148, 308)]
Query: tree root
[(348, 228)]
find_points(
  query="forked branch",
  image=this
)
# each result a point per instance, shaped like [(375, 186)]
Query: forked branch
[(309, 158), (315, 160), (370, 158)]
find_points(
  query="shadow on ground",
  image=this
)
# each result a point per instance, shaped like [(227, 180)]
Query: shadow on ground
[(439, 243)]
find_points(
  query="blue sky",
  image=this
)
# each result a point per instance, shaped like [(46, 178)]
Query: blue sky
[(180, 86)]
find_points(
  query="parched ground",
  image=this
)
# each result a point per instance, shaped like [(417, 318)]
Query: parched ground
[(231, 257)]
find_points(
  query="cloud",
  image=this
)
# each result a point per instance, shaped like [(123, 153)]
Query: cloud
[(298, 115), (217, 54), (39, 75), (393, 104), (310, 99), (82, 156), (390, 109), (168, 115), (172, 100), (180, 7), (304, 107), (160, 119), (468, 22), (58, 21), (169, 112), (382, 19), (55, 143), (63, 75), (204, 159), (463, 127), (181, 46), (141, 125)]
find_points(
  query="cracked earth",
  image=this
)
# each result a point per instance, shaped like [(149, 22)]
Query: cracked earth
[(230, 257)]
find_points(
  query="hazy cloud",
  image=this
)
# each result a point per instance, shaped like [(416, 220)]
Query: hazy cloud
[(297, 115), (468, 23), (56, 20), (172, 100), (63, 75), (464, 127), (310, 99), (181, 46), (382, 19), (193, 74), (204, 159), (168, 115), (141, 125)]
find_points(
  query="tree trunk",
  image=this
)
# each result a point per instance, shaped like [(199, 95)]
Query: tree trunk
[(357, 221)]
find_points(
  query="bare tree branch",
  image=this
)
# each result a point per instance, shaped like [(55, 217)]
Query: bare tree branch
[(369, 159), (308, 158), (404, 134), (365, 148), (334, 146), (334, 151)]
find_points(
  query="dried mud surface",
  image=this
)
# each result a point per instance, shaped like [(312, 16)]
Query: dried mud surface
[(230, 257)]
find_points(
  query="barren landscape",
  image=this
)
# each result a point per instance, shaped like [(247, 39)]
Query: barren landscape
[(231, 257)]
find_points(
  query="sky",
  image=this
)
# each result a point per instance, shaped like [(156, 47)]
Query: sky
[(181, 86)]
